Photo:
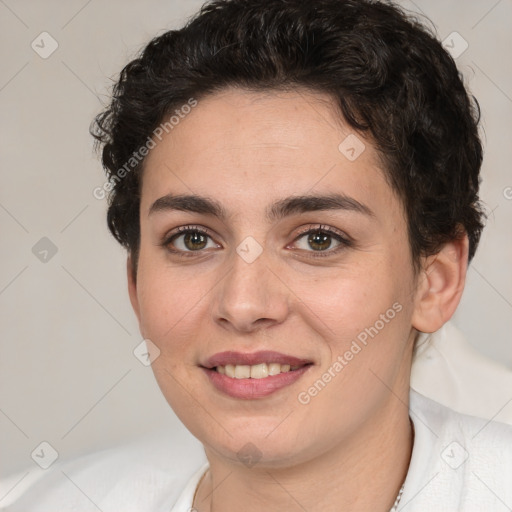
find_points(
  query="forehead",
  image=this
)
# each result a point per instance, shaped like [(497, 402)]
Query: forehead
[(252, 148)]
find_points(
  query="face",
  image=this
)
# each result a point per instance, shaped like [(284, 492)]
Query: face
[(278, 277)]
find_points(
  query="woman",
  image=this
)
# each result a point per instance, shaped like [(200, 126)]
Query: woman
[(310, 205), (296, 184)]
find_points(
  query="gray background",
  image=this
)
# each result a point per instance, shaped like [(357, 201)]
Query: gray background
[(68, 375)]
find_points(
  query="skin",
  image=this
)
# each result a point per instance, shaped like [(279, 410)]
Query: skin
[(350, 446)]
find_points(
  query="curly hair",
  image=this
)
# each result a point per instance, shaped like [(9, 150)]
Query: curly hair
[(388, 74)]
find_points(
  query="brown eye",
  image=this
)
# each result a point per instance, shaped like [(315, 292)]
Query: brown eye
[(322, 241), (194, 241), (319, 240), (188, 240)]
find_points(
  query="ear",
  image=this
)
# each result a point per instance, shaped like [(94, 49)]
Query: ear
[(132, 286), (440, 286)]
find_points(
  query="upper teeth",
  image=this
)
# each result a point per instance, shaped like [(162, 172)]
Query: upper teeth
[(256, 371)]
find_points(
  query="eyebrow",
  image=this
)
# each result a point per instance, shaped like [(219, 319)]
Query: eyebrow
[(276, 211)]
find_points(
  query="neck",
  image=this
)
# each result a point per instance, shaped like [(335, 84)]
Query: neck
[(364, 472)]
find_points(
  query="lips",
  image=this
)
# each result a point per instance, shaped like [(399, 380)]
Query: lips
[(232, 373)]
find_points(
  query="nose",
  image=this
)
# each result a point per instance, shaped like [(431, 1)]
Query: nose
[(251, 296)]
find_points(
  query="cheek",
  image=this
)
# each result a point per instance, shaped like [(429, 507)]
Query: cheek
[(169, 299), (172, 312), (363, 313), (348, 300), (365, 325)]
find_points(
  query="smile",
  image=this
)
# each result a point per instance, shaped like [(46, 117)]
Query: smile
[(253, 375), (257, 371)]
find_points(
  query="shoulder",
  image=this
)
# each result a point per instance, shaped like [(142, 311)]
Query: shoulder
[(476, 431), (146, 475), (449, 370), (459, 462)]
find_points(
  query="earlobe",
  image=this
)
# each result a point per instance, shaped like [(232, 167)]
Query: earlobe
[(132, 287), (440, 286)]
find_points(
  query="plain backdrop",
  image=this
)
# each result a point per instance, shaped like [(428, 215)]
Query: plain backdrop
[(68, 375)]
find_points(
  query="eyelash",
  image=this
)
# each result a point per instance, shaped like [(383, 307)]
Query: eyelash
[(343, 240), (183, 230)]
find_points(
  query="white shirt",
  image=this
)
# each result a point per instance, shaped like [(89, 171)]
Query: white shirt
[(449, 370), (459, 463)]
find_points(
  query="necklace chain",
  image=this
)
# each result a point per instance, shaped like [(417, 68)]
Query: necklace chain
[(394, 508)]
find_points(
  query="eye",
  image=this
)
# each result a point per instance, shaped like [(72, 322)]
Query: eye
[(189, 239), (321, 239)]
